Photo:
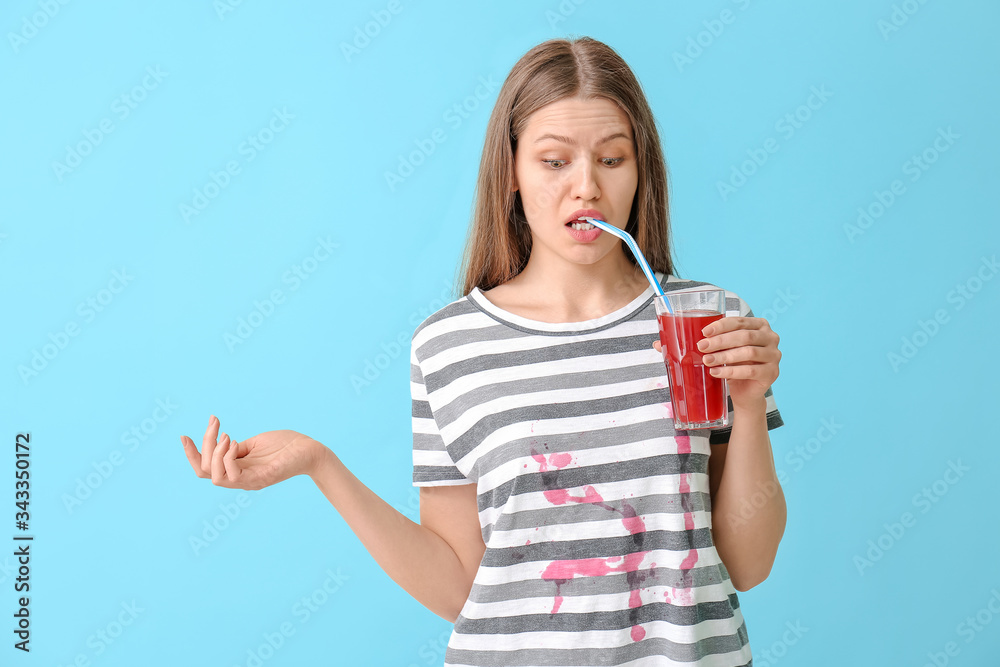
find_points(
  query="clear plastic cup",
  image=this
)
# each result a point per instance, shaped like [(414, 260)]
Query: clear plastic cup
[(699, 399)]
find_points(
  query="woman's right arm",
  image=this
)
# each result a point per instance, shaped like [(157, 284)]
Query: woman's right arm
[(436, 560)]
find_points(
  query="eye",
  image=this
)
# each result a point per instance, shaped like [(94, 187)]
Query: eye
[(549, 162), (615, 160)]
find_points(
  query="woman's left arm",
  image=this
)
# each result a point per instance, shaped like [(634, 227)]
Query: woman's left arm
[(748, 506)]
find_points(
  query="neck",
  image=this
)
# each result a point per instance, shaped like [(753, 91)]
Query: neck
[(572, 292)]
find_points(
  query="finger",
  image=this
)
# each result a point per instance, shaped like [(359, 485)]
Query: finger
[(763, 373), (193, 456), (732, 324), (229, 461), (731, 339), (218, 469), (739, 355), (208, 443), (657, 346)]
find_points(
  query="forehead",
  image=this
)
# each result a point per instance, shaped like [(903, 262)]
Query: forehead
[(578, 118)]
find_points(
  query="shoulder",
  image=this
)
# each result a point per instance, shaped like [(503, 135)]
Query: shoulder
[(451, 317)]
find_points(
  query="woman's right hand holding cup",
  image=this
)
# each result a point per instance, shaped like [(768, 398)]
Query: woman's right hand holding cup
[(254, 463)]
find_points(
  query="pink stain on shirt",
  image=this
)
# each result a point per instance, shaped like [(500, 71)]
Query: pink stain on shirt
[(561, 460), (561, 571)]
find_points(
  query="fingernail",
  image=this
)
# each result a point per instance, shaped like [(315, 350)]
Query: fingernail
[(708, 358), (702, 344), (211, 419)]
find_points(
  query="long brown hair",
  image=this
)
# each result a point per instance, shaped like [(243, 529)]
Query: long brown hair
[(499, 240)]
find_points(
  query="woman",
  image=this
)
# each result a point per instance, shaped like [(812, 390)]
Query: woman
[(562, 518)]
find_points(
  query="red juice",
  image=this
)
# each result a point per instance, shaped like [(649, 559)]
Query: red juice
[(696, 395)]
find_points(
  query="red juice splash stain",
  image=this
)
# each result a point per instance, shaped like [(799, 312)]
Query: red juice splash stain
[(687, 579), (561, 571)]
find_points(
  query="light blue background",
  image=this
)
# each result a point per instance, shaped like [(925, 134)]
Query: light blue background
[(841, 305)]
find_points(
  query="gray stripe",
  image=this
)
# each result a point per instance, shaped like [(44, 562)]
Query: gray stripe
[(435, 473), (654, 646), (421, 409), (445, 341), (665, 503), (607, 547), (696, 577), (462, 306), (428, 442), (607, 473), (490, 423), (570, 380), (451, 372)]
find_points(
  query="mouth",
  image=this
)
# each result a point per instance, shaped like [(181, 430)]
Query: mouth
[(576, 220)]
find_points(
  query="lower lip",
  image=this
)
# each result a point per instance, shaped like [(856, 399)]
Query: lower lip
[(584, 235)]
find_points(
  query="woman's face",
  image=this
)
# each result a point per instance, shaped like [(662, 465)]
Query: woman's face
[(574, 155)]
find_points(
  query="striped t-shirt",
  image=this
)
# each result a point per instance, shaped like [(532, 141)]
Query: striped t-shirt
[(595, 512)]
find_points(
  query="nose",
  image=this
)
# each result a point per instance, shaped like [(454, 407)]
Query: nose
[(585, 183)]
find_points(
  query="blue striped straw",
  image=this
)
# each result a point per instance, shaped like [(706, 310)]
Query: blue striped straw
[(643, 264)]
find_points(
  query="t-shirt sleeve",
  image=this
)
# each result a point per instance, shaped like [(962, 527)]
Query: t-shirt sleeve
[(736, 306), (432, 465)]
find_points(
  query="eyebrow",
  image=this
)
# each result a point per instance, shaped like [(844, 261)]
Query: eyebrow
[(571, 142)]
